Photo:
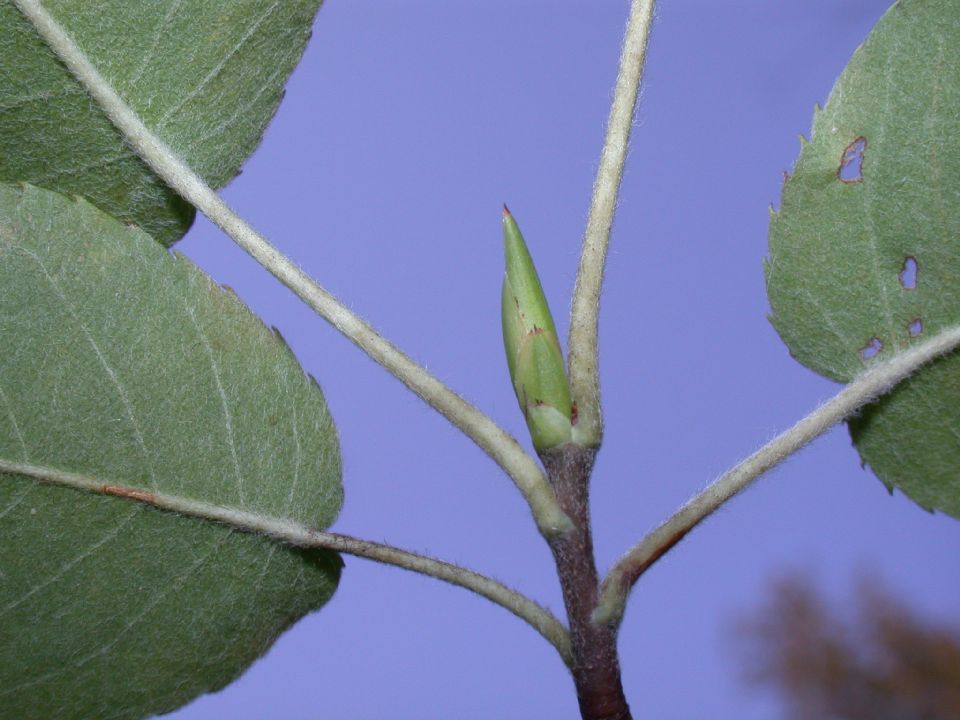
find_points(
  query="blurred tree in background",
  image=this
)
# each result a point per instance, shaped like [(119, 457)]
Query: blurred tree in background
[(883, 664)]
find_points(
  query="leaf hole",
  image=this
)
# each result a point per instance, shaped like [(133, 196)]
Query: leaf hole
[(908, 275), (915, 327), (851, 162), (871, 349)]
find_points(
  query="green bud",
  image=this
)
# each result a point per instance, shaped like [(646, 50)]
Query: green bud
[(533, 350)]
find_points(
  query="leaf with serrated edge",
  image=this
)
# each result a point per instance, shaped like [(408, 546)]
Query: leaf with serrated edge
[(206, 77), (129, 366), (865, 250)]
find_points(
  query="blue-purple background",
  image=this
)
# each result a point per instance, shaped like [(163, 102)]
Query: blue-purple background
[(404, 129)]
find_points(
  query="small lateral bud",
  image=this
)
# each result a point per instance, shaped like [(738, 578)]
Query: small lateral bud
[(533, 351)]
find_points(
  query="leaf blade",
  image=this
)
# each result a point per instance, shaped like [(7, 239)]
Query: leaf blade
[(123, 363), (865, 250), (205, 77)]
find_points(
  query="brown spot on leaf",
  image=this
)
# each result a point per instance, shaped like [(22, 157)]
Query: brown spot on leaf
[(851, 162), (131, 493)]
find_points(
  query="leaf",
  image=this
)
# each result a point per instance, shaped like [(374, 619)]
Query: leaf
[(865, 251), (129, 366), (205, 76)]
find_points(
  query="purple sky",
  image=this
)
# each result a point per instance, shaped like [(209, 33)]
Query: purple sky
[(403, 131)]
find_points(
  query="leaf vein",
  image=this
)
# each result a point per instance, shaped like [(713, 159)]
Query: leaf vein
[(13, 422), (176, 583), (114, 379), (218, 68), (20, 497), (78, 663), (869, 200), (224, 404), (241, 112), (45, 96), (154, 44), (73, 562), (78, 169), (297, 457)]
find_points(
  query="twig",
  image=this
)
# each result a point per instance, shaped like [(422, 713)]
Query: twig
[(595, 666), (866, 388), (299, 535), (497, 443), (582, 358)]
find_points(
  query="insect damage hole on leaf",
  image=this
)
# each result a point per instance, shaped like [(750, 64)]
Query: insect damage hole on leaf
[(908, 275), (871, 349), (851, 162), (915, 327)]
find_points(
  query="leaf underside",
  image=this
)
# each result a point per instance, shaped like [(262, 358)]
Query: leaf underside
[(205, 76), (129, 366), (865, 249)]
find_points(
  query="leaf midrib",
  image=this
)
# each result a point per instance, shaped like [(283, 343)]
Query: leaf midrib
[(285, 529)]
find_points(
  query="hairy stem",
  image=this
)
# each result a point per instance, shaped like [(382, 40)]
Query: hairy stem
[(867, 388), (496, 442), (582, 357), (595, 664), (299, 535)]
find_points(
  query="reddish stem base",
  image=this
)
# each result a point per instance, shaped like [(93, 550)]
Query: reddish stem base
[(596, 665)]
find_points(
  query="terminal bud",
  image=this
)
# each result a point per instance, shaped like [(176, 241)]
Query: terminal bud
[(533, 350)]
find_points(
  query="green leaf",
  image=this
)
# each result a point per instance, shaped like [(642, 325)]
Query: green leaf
[(865, 250), (204, 76), (128, 366)]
